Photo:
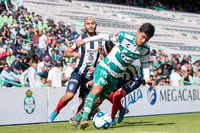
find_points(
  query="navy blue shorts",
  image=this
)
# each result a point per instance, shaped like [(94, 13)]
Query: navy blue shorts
[(128, 85), (77, 81)]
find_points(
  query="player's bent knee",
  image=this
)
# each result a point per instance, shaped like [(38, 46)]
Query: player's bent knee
[(68, 96), (96, 89), (97, 102)]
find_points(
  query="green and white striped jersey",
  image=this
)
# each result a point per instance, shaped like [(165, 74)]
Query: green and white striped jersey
[(123, 53)]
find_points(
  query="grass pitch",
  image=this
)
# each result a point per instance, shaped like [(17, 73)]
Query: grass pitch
[(176, 123)]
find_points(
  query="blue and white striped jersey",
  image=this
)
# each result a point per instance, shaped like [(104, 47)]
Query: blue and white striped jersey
[(89, 56)]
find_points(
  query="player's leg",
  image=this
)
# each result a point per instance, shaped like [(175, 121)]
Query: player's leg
[(83, 92), (75, 121), (126, 89), (117, 96), (71, 90), (102, 78)]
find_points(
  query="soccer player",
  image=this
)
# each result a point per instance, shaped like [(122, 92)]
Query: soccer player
[(130, 81), (130, 47), (86, 57)]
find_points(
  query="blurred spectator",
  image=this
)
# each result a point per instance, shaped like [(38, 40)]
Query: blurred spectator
[(174, 61), (158, 80), (196, 66), (55, 76), (25, 63), (68, 72), (43, 82), (167, 81), (17, 66), (184, 60), (41, 67), (175, 78), (8, 75), (186, 79), (185, 66), (178, 58), (36, 39), (10, 57), (21, 19), (42, 46), (178, 67), (156, 64), (189, 59), (52, 54), (4, 31), (47, 69), (190, 70), (32, 75), (197, 78)]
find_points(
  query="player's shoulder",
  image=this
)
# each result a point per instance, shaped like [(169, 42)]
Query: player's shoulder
[(146, 49), (126, 35), (146, 46)]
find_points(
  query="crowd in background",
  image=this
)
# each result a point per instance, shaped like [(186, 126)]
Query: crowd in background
[(31, 54)]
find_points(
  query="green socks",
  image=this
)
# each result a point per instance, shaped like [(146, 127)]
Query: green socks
[(87, 107)]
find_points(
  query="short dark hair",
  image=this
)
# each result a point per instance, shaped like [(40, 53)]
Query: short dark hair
[(59, 64), (148, 29), (5, 64)]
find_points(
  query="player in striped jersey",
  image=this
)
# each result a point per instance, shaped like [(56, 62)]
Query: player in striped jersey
[(130, 48), (86, 57)]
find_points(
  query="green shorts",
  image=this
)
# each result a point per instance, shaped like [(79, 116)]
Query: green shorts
[(102, 77)]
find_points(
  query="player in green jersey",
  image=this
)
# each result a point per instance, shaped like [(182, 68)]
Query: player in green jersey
[(128, 48)]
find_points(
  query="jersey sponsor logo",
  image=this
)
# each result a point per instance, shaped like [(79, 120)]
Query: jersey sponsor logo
[(127, 36), (126, 59), (129, 46), (90, 55)]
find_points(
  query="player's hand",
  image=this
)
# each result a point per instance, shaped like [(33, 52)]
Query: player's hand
[(79, 43), (151, 83), (102, 51), (89, 84), (91, 69), (77, 55)]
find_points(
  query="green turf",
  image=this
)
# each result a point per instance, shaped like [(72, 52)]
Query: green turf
[(177, 123)]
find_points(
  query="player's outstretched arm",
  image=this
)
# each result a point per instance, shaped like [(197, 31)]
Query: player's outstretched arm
[(101, 37)]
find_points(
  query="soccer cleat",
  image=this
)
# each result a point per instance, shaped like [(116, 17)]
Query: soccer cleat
[(83, 124), (121, 114), (74, 122), (113, 123), (52, 117)]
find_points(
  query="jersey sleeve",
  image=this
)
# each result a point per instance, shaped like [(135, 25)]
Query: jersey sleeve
[(73, 46), (145, 66), (114, 38), (101, 37)]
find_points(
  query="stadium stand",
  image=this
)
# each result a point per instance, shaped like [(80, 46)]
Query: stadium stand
[(175, 31)]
